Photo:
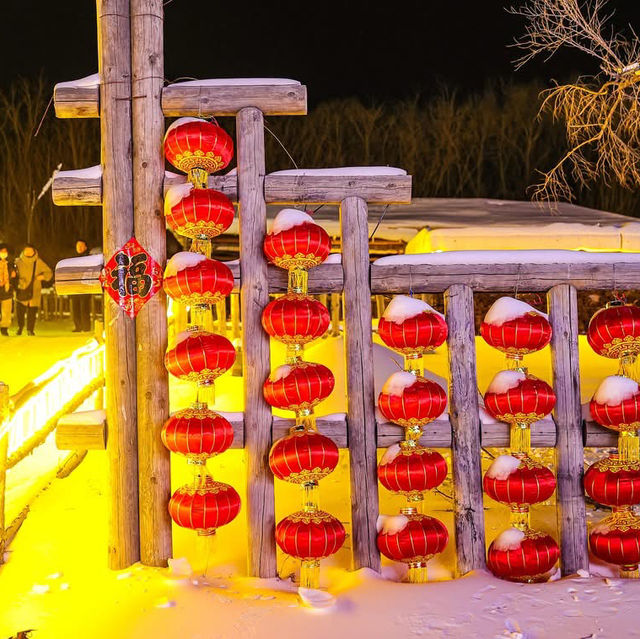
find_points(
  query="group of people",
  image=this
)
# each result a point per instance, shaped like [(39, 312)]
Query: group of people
[(21, 290)]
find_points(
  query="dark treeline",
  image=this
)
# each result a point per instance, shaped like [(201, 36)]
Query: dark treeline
[(485, 145)]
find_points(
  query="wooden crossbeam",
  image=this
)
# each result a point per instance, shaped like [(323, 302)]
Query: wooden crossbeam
[(72, 188), (194, 100)]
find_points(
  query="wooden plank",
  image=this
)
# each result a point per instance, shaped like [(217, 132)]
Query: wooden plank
[(72, 435), (572, 522), (147, 65), (114, 57), (205, 101), (596, 436), (77, 188), (76, 102), (465, 445), (254, 296), (361, 423)]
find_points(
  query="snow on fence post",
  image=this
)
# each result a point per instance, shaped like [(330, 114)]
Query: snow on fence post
[(254, 296), (114, 61), (147, 58), (571, 513), (361, 421), (465, 424)]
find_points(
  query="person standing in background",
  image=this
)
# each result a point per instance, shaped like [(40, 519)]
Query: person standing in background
[(8, 275), (32, 271), (81, 304)]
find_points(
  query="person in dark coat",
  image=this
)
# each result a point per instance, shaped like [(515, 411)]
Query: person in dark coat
[(32, 271), (81, 304), (8, 276)]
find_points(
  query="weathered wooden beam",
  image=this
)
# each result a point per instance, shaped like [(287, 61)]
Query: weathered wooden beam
[(194, 100), (361, 422), (78, 275), (77, 188), (254, 296), (571, 513), (596, 436), (82, 430), (114, 56), (154, 468), (468, 509)]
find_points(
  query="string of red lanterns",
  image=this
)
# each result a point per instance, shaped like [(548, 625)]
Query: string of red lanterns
[(198, 148), (411, 327), (516, 480), (305, 456)]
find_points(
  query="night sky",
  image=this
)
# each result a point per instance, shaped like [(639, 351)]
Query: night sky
[(404, 48)]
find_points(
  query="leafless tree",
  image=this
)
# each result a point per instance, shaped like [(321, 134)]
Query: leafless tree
[(600, 113)]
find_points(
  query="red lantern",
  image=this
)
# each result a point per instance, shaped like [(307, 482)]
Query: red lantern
[(200, 357), (519, 336), (207, 282), (530, 483), (530, 560), (415, 335), (310, 536), (528, 401), (295, 319), (203, 213), (615, 331), (418, 403), (412, 471), (302, 246), (192, 143), (298, 386), (204, 505), (198, 433), (421, 539), (613, 482), (616, 540), (623, 416), (303, 457)]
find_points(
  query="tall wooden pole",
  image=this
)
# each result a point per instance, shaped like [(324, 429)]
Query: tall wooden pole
[(254, 296), (361, 419), (147, 58), (114, 64)]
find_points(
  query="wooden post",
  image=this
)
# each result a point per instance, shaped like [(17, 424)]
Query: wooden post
[(151, 323), (221, 317), (465, 423), (4, 449), (572, 521), (254, 296), (234, 300), (336, 302), (361, 422), (114, 61)]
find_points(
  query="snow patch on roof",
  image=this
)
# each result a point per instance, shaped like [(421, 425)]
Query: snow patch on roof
[(86, 417), (182, 260), (345, 170), (506, 309), (615, 389), (502, 466), (83, 261), (236, 82), (403, 307), (90, 173), (504, 381), (288, 218), (88, 82), (334, 258)]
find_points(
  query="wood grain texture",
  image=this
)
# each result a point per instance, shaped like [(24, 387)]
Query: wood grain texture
[(76, 102), (254, 296), (72, 435), (465, 446), (361, 422), (114, 56), (572, 523), (147, 64)]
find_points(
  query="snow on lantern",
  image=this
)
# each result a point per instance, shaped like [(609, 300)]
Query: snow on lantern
[(515, 328), (411, 327), (411, 538), (616, 540), (197, 147)]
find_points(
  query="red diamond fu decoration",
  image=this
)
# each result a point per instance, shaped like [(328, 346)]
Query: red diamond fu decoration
[(131, 277)]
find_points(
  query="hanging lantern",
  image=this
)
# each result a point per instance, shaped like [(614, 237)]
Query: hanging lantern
[(205, 505), (526, 556), (616, 540), (412, 470), (411, 327), (414, 542), (613, 482), (197, 213), (193, 279), (200, 357), (411, 402), (295, 319), (197, 147), (303, 456), (614, 331), (299, 386), (515, 328), (197, 432), (529, 483)]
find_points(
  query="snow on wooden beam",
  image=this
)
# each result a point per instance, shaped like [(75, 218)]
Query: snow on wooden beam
[(73, 100), (82, 430)]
